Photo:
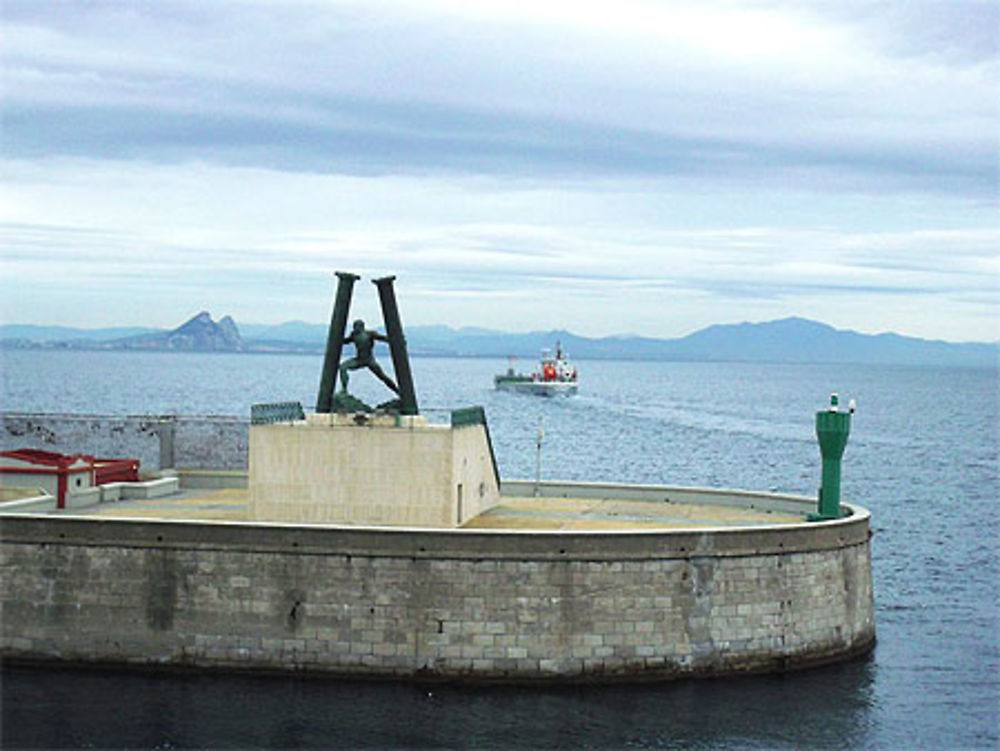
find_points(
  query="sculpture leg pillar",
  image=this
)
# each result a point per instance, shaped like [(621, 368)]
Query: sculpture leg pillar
[(397, 346), (335, 341)]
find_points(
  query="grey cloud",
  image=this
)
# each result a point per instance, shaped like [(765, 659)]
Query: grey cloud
[(508, 159), (959, 31), (312, 87), (369, 139)]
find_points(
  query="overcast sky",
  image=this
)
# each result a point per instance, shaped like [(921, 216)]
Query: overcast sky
[(607, 167)]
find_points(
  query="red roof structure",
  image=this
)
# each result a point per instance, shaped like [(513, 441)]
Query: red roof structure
[(99, 471)]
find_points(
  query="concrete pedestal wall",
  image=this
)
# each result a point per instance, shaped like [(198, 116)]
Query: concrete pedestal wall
[(473, 472), (436, 603), (331, 469)]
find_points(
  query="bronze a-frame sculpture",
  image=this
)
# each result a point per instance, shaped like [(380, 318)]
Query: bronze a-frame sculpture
[(364, 340)]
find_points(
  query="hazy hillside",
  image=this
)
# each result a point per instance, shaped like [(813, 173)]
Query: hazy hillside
[(199, 334), (33, 333), (786, 340), (801, 340)]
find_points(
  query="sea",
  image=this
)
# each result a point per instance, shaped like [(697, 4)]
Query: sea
[(922, 456)]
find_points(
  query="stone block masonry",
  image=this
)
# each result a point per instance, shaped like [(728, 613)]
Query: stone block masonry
[(481, 605)]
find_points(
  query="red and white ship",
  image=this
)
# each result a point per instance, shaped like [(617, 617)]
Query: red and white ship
[(554, 376)]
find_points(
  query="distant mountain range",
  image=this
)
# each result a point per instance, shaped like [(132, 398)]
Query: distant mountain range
[(786, 340), (199, 334)]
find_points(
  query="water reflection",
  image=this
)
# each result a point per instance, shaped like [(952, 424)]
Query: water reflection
[(80, 708)]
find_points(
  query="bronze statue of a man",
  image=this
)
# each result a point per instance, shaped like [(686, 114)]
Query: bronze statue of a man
[(364, 344)]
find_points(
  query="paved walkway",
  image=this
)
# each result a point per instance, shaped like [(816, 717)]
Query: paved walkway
[(579, 513), (512, 513), (216, 505)]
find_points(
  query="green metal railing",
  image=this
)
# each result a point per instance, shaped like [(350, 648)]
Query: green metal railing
[(265, 414)]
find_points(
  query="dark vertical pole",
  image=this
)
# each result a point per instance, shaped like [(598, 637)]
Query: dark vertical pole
[(397, 346), (335, 340)]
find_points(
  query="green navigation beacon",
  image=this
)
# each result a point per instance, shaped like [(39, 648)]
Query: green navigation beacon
[(832, 429)]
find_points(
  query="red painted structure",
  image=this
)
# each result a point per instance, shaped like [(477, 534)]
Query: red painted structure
[(64, 466)]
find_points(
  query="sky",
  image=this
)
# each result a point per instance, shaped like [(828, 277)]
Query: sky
[(626, 167)]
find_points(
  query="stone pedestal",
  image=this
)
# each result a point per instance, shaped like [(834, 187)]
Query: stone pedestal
[(370, 470)]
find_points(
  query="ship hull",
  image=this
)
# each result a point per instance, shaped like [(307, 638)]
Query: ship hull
[(538, 388)]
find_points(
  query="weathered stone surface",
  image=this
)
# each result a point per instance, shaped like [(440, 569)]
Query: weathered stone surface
[(481, 605), (158, 441)]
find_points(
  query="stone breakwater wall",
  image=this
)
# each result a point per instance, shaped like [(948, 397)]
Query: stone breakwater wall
[(158, 441), (456, 604)]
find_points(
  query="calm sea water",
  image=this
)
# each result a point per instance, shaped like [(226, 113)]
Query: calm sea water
[(923, 456)]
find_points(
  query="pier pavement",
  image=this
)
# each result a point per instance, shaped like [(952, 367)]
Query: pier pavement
[(520, 513)]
